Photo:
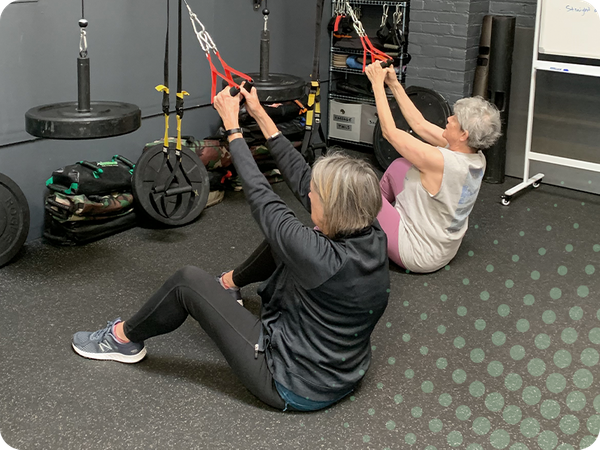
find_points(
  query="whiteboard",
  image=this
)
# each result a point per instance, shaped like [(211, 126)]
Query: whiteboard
[(570, 28)]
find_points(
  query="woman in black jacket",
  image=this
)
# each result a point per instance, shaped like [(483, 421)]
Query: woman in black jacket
[(324, 288)]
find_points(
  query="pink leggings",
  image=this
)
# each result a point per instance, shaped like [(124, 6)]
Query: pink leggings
[(391, 184)]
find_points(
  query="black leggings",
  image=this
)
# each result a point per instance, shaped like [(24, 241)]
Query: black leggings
[(235, 330)]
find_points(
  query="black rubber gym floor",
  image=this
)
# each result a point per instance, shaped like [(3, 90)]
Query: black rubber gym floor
[(499, 350)]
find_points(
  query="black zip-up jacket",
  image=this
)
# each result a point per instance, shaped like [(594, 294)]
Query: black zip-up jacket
[(322, 302)]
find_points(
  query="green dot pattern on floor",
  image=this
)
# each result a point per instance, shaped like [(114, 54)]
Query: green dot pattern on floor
[(500, 349)]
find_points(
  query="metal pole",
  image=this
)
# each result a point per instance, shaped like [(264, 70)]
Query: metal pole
[(265, 38), (83, 84), (83, 67)]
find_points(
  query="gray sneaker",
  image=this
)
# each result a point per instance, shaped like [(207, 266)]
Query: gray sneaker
[(234, 292), (102, 345)]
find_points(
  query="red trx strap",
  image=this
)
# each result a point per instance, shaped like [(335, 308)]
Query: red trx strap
[(227, 77), (376, 55), (208, 45), (340, 13), (368, 48)]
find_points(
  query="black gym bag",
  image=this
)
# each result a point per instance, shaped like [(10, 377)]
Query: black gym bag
[(82, 232), (95, 178)]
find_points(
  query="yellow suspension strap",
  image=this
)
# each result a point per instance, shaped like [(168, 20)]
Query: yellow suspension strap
[(313, 113), (165, 90)]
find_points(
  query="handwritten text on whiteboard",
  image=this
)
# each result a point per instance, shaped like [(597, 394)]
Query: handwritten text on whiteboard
[(577, 9)]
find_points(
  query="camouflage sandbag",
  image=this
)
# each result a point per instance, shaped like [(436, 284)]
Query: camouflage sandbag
[(93, 207), (260, 152), (212, 152)]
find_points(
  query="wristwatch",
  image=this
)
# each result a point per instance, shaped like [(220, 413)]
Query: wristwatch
[(233, 131)]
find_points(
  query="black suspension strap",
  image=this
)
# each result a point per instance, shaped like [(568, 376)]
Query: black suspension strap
[(180, 91), (178, 181), (313, 113), (164, 88)]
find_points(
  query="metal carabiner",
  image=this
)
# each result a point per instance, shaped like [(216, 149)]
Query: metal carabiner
[(360, 31), (83, 43), (210, 43), (384, 17), (397, 17)]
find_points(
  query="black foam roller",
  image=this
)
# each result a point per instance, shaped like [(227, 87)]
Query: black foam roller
[(480, 81), (501, 50)]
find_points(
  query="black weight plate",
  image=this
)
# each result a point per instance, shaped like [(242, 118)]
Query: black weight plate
[(433, 106), (277, 88), (63, 121), (177, 209), (14, 219)]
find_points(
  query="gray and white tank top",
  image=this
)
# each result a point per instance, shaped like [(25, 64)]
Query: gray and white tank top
[(432, 226)]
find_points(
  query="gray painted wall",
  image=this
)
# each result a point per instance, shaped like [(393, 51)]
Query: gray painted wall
[(39, 44)]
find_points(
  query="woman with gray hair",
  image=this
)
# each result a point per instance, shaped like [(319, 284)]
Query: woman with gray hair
[(429, 193), (323, 288)]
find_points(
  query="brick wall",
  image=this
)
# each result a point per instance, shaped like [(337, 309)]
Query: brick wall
[(444, 41), (438, 44), (523, 9)]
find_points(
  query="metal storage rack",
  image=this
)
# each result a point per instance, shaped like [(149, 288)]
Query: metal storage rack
[(371, 17)]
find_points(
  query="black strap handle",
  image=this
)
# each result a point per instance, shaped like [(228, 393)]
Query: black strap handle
[(90, 165), (124, 161), (236, 90), (51, 201)]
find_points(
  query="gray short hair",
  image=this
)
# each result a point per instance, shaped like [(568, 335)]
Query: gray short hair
[(349, 192), (481, 119)]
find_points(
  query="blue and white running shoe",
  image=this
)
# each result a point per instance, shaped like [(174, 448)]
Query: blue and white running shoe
[(102, 345)]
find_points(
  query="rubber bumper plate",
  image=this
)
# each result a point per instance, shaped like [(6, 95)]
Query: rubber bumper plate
[(277, 88), (432, 105), (169, 192), (64, 121), (14, 219)]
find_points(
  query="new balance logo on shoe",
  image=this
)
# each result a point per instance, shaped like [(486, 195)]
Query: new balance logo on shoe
[(105, 346)]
